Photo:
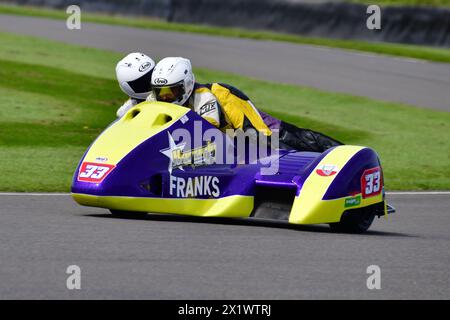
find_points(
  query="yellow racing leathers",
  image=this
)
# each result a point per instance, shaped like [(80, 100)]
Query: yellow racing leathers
[(226, 107)]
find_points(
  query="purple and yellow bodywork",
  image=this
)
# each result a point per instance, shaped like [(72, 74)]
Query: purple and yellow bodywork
[(128, 169)]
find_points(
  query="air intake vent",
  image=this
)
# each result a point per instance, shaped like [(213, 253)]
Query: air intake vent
[(273, 202), (161, 120), (134, 113)]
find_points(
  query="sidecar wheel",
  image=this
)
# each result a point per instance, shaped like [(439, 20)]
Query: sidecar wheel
[(128, 214), (354, 221)]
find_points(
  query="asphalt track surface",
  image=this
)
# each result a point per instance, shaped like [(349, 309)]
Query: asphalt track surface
[(170, 257), (392, 79)]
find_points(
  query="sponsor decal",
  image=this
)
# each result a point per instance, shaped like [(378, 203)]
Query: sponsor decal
[(196, 157), (353, 201), (184, 119), (101, 159), (160, 81), (194, 187), (145, 66), (327, 170), (371, 182), (207, 108), (94, 172)]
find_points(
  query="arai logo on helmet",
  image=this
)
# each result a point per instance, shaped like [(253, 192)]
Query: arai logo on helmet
[(145, 66), (327, 170), (160, 81)]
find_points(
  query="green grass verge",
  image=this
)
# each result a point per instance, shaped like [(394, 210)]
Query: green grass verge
[(401, 50), (56, 98)]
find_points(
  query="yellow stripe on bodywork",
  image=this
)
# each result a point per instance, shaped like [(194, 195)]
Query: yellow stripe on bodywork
[(212, 121), (309, 208), (232, 207), (132, 129)]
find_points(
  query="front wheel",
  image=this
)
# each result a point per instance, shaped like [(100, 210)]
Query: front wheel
[(354, 221), (128, 214)]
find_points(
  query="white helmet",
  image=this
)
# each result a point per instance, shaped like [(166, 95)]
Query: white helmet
[(173, 80), (134, 74)]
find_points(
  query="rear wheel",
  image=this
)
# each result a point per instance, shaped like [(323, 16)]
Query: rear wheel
[(128, 214), (355, 221)]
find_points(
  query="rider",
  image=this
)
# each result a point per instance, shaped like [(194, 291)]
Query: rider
[(226, 107), (134, 74)]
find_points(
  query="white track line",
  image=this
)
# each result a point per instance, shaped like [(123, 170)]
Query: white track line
[(392, 193)]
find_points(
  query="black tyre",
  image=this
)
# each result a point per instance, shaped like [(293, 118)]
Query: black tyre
[(128, 214), (354, 221)]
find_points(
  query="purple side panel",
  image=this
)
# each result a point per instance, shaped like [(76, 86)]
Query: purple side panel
[(146, 163), (291, 165), (295, 162)]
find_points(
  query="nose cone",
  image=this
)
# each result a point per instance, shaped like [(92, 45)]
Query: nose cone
[(126, 151)]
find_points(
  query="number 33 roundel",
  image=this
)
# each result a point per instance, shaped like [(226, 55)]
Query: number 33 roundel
[(371, 182), (94, 172)]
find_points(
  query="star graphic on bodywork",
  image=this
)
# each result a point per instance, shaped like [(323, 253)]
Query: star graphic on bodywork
[(168, 152)]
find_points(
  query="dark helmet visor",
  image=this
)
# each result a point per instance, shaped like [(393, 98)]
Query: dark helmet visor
[(169, 93), (142, 84)]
